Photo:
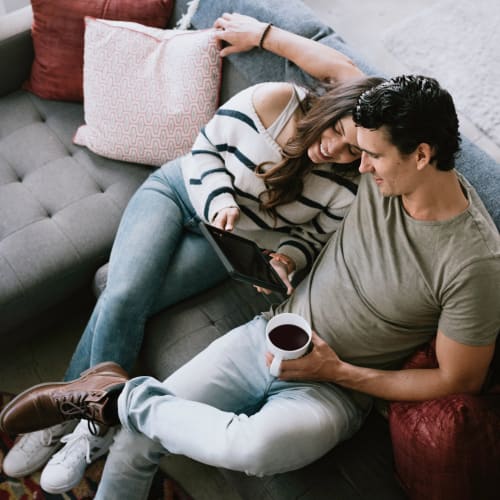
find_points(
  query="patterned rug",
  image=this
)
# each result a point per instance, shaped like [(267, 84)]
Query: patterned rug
[(28, 488)]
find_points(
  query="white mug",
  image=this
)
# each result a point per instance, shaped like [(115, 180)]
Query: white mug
[(288, 336)]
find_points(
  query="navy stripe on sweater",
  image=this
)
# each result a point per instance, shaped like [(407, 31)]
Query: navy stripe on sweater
[(246, 195), (195, 152), (331, 215), (237, 115), (318, 227), (234, 150), (197, 182), (302, 248), (214, 194), (260, 223), (310, 203)]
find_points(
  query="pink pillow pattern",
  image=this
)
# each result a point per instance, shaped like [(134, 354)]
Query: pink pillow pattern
[(147, 91)]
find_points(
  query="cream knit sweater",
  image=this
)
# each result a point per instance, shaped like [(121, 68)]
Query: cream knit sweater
[(219, 173)]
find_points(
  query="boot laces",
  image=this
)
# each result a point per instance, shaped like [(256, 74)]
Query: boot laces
[(76, 406)]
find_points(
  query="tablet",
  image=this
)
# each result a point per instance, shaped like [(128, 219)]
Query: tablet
[(243, 259)]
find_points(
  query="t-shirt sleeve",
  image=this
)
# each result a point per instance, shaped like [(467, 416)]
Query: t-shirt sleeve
[(471, 304)]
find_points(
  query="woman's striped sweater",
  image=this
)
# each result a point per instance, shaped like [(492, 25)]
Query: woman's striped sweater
[(219, 173)]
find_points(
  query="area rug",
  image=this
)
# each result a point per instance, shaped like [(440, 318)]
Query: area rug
[(457, 42), (28, 488)]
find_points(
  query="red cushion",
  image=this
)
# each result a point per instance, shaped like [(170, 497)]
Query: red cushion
[(58, 29), (447, 448)]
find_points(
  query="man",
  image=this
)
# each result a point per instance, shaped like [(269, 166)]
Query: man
[(417, 257)]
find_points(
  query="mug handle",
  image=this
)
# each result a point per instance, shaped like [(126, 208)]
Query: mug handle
[(275, 367)]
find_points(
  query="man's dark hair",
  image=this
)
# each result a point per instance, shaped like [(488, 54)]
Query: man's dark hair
[(413, 109)]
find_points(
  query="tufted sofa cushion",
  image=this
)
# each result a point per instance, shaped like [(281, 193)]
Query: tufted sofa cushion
[(59, 203)]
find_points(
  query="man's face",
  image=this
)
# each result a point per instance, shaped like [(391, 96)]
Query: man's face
[(392, 172)]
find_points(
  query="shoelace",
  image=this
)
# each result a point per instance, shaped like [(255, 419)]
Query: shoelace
[(70, 439), (75, 406)]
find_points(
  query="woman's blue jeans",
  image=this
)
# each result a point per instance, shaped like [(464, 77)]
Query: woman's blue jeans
[(223, 408), (158, 258)]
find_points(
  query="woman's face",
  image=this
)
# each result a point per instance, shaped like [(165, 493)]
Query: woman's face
[(336, 144)]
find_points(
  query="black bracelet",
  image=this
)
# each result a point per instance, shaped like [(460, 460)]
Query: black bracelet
[(264, 33)]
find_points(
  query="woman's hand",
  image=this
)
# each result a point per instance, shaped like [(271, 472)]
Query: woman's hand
[(283, 265), (226, 218), (324, 63), (321, 364), (242, 33)]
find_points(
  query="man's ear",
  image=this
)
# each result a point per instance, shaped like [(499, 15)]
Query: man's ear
[(424, 155)]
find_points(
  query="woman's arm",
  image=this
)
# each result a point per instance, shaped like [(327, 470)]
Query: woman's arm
[(209, 184), (244, 33)]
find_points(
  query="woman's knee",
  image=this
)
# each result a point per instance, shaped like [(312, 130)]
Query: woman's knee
[(121, 300)]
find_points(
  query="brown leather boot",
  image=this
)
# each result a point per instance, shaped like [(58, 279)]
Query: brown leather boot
[(93, 396)]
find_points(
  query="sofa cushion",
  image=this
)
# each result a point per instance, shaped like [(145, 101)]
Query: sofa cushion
[(147, 91), (60, 206), (447, 447), (194, 323), (57, 33)]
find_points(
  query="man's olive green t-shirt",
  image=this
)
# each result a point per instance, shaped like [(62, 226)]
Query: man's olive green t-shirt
[(385, 282)]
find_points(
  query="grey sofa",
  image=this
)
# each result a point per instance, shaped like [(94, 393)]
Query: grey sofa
[(59, 209)]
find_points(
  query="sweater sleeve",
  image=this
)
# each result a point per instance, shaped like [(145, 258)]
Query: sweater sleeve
[(302, 247), (209, 183)]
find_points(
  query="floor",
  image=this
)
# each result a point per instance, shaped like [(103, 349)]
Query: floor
[(36, 361)]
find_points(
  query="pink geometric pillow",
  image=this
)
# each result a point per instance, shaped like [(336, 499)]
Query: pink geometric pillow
[(147, 91)]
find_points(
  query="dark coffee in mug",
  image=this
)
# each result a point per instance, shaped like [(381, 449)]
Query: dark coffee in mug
[(288, 337)]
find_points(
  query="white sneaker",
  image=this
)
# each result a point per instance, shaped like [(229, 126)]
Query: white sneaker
[(33, 450), (67, 467)]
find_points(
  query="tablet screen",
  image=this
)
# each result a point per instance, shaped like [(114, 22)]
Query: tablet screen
[(243, 258)]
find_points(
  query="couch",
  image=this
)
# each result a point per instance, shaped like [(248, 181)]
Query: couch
[(60, 206)]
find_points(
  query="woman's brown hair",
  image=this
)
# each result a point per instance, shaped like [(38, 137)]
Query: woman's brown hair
[(285, 179)]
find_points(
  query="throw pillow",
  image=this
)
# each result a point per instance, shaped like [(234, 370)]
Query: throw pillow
[(447, 447), (57, 32), (147, 91)]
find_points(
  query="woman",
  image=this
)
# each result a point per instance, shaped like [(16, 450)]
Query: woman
[(276, 164)]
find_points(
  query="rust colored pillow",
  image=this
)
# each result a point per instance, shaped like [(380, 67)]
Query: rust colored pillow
[(57, 32), (447, 447)]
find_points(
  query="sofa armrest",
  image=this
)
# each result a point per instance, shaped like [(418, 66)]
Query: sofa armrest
[(16, 49)]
